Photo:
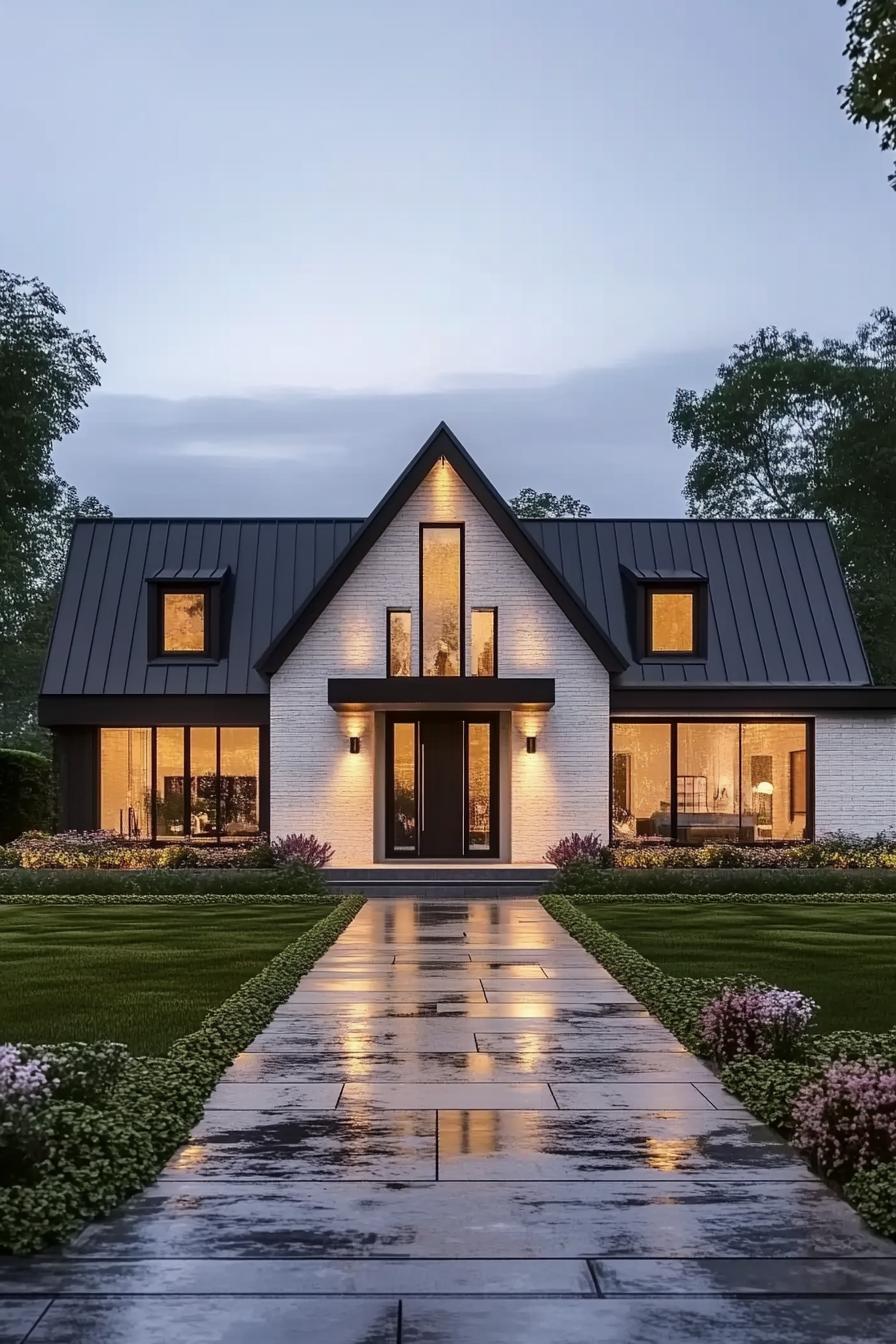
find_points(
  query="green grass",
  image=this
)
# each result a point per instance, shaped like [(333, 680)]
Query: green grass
[(144, 975), (843, 956)]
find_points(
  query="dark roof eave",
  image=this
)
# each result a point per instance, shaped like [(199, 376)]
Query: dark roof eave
[(793, 697), (356, 693)]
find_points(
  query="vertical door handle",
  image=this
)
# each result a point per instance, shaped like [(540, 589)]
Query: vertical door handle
[(422, 787)]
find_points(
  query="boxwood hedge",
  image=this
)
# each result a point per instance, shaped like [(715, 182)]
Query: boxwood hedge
[(592, 880), (99, 1155), (767, 1087), (283, 881)]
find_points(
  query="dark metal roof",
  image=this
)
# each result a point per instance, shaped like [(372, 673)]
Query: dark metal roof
[(778, 607), (778, 614), (99, 641)]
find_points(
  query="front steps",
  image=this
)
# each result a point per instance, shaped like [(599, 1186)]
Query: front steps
[(466, 880)]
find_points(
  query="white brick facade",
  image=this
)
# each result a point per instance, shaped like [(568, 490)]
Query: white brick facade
[(855, 773), (316, 785)]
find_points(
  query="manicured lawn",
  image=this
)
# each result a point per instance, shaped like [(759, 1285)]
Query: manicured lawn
[(843, 956), (139, 974)]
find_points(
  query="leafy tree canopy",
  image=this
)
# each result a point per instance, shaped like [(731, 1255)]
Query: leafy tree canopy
[(869, 98), (531, 503), (798, 429), (46, 373)]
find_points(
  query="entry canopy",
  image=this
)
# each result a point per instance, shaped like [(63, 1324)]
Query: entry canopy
[(354, 693)]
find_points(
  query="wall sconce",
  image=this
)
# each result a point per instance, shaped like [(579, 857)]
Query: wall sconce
[(354, 745), (531, 744)]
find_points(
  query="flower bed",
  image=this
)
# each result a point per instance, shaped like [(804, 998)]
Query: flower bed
[(834, 1096), (100, 850), (82, 1127)]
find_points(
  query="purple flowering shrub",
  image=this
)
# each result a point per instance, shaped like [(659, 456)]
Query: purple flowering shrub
[(768, 1023), (575, 847), (25, 1086), (304, 849), (846, 1120)]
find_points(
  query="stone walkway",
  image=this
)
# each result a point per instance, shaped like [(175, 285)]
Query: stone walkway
[(460, 1128)]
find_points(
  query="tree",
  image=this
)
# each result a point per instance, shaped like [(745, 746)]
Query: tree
[(870, 96), (46, 373), (798, 429), (530, 503)]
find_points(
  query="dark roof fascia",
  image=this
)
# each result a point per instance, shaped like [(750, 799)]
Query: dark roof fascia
[(153, 711), (368, 692), (794, 697), (441, 443)]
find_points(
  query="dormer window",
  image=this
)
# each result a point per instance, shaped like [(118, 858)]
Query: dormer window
[(184, 622), (671, 622), (441, 599)]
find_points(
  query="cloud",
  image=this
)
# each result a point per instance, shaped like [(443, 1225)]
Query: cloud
[(600, 434)]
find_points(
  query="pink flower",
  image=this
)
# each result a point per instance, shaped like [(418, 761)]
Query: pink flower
[(846, 1119)]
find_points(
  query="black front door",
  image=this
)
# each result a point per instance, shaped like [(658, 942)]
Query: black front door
[(442, 786)]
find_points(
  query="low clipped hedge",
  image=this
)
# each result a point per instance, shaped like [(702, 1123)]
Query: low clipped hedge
[(591, 880), (26, 792), (284, 881), (97, 1156), (166, 898), (739, 897), (767, 1087)]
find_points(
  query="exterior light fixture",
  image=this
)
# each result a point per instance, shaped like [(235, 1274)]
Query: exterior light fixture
[(354, 745), (531, 743), (764, 787)]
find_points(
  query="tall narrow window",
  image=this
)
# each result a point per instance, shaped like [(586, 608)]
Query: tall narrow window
[(671, 626), (239, 782), (708, 783), (773, 781), (398, 652), (184, 622), (484, 641), (479, 782), (203, 783), (126, 781), (404, 788), (441, 569), (169, 783)]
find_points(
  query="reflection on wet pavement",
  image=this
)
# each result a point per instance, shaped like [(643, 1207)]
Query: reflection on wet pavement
[(459, 1128)]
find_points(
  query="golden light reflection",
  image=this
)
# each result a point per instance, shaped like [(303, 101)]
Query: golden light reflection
[(190, 1158), (356, 1039), (669, 1154), (476, 1133)]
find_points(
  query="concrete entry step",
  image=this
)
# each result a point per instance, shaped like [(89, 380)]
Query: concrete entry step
[(467, 880)]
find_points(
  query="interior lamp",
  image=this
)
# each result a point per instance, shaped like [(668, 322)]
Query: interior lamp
[(764, 787)]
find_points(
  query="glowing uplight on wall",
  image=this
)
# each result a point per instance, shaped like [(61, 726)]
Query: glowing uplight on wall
[(531, 745), (354, 745)]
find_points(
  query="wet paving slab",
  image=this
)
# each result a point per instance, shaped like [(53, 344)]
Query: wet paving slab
[(460, 1127)]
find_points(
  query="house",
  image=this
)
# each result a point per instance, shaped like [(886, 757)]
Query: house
[(441, 681)]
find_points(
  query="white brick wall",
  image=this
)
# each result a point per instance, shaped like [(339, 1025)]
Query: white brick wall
[(317, 785), (855, 773)]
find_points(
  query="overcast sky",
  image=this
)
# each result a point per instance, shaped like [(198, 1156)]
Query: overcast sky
[(306, 232)]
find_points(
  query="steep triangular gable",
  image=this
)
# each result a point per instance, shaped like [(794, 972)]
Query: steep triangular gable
[(441, 444)]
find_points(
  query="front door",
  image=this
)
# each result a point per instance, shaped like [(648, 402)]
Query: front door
[(442, 786)]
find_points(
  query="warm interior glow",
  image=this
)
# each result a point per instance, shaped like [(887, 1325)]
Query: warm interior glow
[(671, 622), (399, 643), (126, 781), (183, 622), (441, 615), (404, 758), (169, 783), (482, 642), (479, 833), (239, 782)]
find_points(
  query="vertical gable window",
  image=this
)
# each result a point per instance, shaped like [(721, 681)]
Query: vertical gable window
[(398, 638), (184, 622), (484, 642), (671, 622), (441, 599)]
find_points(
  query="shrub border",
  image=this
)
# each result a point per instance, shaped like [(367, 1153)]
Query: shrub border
[(167, 898), (731, 897), (102, 1155), (766, 1087)]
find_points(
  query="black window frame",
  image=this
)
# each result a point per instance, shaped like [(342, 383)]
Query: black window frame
[(462, 599), (211, 593), (494, 613), (399, 611), (187, 838), (698, 643), (673, 722)]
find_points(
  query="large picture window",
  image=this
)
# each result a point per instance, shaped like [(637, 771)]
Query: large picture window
[(170, 784), (708, 781), (441, 599)]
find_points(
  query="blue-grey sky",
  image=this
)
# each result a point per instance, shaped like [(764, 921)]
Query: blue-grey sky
[(306, 232)]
